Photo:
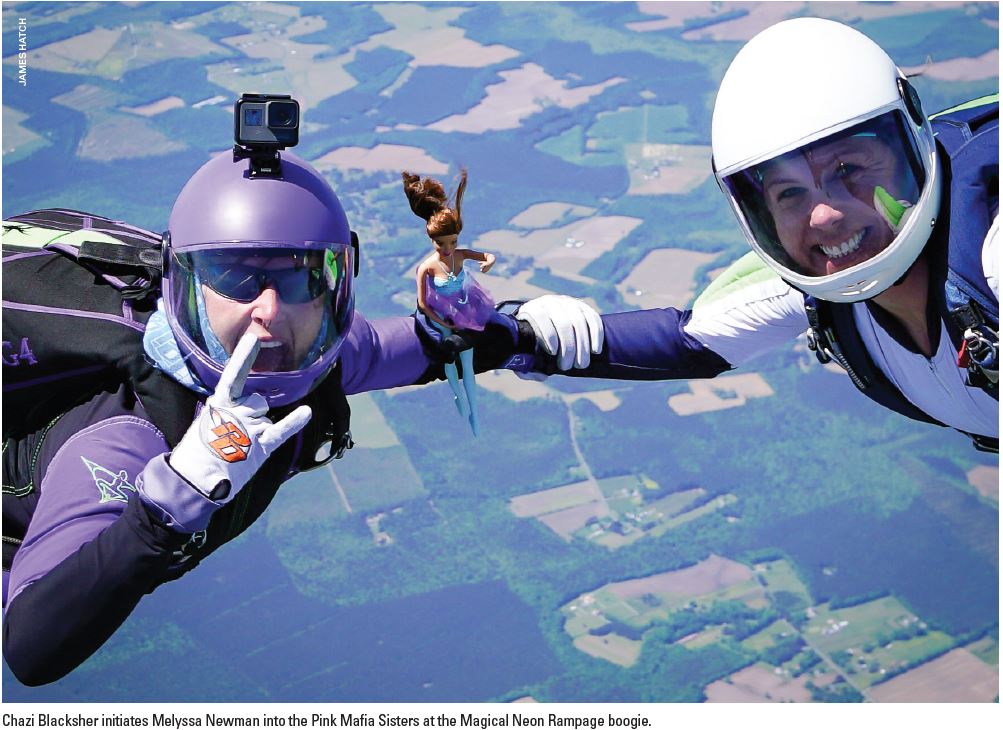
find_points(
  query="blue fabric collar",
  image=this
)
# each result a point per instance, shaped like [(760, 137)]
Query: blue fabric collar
[(159, 344)]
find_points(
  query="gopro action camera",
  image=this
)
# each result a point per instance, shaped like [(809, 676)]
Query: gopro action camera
[(266, 121), (263, 124)]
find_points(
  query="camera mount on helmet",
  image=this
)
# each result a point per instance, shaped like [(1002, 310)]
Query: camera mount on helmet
[(263, 124)]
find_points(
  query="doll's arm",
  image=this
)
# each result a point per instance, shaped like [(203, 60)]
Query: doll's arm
[(487, 259)]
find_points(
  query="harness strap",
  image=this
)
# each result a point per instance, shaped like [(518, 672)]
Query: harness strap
[(146, 257), (817, 341), (847, 348), (822, 341), (979, 353), (149, 259)]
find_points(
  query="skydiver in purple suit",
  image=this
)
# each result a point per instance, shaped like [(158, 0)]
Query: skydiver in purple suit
[(239, 382)]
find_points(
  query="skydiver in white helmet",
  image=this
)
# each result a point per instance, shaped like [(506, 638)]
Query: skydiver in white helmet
[(873, 227)]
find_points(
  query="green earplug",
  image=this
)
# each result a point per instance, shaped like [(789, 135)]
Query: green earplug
[(894, 212)]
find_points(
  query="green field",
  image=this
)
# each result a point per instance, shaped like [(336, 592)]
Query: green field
[(611, 647), (987, 649), (580, 620), (617, 608), (779, 575), (863, 623), (708, 636), (649, 123), (675, 503), (874, 639), (702, 511), (770, 636), (899, 655), (369, 426), (870, 642)]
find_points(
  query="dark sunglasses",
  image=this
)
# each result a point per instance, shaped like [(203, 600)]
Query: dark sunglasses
[(295, 285)]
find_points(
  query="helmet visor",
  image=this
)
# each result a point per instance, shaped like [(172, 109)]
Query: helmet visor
[(301, 300), (834, 203)]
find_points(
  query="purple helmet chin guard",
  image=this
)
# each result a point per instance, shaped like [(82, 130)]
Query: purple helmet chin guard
[(221, 208)]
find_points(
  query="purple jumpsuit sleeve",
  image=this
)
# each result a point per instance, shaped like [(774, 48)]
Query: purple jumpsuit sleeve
[(384, 353), (91, 552), (649, 344)]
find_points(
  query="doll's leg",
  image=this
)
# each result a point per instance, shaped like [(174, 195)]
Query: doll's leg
[(453, 378), (470, 386), (454, 382)]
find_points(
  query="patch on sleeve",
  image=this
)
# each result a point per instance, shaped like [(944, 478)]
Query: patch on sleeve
[(109, 483)]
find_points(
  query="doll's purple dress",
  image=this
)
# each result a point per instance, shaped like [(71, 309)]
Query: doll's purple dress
[(459, 300)]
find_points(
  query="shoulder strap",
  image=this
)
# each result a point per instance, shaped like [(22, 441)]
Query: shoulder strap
[(71, 221), (826, 320), (125, 256)]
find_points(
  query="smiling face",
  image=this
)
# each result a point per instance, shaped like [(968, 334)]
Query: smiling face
[(822, 202), (834, 203)]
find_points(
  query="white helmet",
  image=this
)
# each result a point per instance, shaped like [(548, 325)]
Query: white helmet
[(828, 161)]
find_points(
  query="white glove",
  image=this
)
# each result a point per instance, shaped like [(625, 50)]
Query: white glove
[(231, 437), (566, 327)]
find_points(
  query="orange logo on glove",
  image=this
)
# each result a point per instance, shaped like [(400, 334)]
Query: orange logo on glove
[(231, 444)]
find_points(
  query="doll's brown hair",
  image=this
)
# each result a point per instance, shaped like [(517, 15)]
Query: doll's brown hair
[(429, 202)]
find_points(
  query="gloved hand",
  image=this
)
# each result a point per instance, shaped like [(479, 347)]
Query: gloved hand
[(231, 437), (454, 344), (565, 327)]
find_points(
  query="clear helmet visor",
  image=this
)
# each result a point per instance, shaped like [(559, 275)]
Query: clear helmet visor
[(301, 298), (835, 203)]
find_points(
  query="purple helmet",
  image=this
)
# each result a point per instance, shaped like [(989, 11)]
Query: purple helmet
[(273, 253)]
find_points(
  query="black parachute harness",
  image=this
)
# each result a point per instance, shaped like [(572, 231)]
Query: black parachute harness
[(980, 346), (979, 353)]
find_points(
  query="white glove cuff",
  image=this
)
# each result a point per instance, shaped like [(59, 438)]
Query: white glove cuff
[(171, 499)]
